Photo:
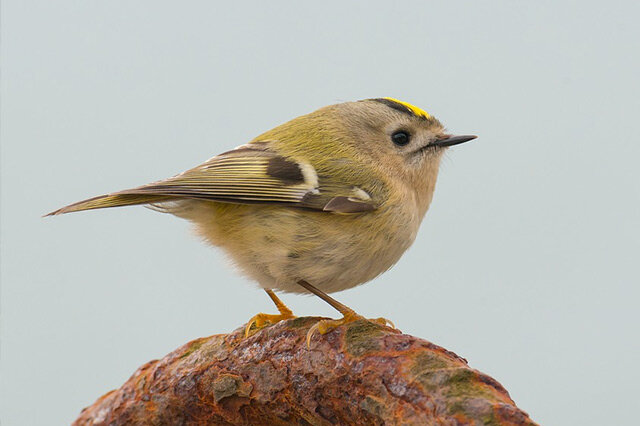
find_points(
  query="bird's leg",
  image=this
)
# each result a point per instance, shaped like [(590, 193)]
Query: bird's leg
[(349, 315), (261, 319)]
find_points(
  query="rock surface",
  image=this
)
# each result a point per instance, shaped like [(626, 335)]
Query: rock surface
[(360, 373)]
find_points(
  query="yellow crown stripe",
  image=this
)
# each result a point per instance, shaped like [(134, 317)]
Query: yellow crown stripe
[(417, 111)]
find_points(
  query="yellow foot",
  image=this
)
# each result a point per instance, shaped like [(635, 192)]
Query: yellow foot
[(325, 326), (262, 320)]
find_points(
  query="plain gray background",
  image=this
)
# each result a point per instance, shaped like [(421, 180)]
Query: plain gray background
[(526, 264)]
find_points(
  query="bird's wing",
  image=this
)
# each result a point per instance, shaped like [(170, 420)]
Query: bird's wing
[(249, 174)]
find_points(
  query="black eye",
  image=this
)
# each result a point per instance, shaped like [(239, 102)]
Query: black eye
[(400, 138)]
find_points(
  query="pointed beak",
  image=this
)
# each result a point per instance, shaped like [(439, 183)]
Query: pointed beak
[(452, 140)]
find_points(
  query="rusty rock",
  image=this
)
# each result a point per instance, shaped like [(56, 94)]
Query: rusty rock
[(360, 373)]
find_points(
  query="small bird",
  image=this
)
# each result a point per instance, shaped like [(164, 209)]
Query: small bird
[(320, 204)]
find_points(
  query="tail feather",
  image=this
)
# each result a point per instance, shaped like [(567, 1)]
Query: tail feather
[(111, 200)]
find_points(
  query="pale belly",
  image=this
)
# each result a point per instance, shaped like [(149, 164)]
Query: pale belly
[(277, 246)]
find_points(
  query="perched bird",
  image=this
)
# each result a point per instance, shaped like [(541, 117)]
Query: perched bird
[(322, 203)]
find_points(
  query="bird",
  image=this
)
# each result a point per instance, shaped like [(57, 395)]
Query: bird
[(322, 203)]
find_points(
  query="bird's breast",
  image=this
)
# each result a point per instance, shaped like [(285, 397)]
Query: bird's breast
[(276, 246)]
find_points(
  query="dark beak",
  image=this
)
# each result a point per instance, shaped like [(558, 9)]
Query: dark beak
[(452, 140)]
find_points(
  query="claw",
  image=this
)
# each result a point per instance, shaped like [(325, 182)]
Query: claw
[(261, 320), (325, 326), (384, 321)]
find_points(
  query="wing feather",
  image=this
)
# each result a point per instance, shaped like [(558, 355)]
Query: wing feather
[(249, 174)]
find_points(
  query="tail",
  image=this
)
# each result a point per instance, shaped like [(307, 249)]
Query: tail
[(118, 199)]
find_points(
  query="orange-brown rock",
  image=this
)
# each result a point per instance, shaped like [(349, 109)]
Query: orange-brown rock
[(360, 373)]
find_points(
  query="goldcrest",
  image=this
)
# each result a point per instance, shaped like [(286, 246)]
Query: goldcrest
[(322, 203)]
